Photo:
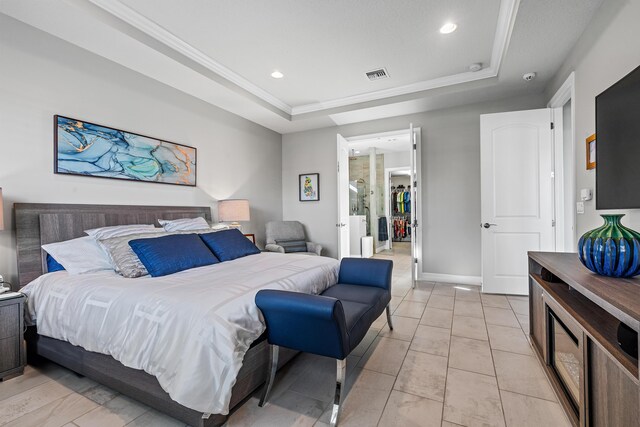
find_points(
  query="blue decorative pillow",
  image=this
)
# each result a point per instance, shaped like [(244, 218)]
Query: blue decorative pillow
[(171, 254), (291, 246), (53, 265), (229, 244)]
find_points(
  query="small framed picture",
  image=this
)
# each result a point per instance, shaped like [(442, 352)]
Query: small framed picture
[(591, 152), (309, 187)]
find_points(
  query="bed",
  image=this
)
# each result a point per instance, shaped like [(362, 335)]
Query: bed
[(235, 282)]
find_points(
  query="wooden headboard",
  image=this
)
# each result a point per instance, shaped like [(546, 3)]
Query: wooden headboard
[(38, 224)]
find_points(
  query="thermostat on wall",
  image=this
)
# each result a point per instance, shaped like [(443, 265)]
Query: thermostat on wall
[(586, 194)]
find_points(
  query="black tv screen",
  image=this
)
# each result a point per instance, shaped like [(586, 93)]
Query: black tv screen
[(618, 144)]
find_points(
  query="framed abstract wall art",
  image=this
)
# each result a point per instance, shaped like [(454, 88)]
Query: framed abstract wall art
[(83, 148), (309, 187)]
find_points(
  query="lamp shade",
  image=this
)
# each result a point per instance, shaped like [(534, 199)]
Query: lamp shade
[(1, 212), (234, 210)]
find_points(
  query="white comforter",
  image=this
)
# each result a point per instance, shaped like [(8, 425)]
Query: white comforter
[(190, 329)]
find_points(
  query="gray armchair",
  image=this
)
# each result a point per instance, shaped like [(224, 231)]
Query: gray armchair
[(289, 236)]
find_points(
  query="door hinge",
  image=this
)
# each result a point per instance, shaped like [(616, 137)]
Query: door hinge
[(553, 126), (415, 184), (338, 166), (415, 146), (553, 222), (415, 260)]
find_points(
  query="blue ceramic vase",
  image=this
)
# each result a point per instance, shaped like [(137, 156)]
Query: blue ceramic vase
[(611, 250)]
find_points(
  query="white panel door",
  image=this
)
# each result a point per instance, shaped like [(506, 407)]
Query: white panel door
[(342, 223), (517, 196)]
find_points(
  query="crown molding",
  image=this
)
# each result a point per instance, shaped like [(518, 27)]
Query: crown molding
[(397, 91), (149, 27), (506, 19)]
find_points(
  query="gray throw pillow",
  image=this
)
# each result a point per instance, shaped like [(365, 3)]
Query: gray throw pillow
[(291, 246), (125, 262)]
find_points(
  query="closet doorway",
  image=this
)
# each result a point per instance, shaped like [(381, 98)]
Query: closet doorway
[(378, 203), (398, 209)]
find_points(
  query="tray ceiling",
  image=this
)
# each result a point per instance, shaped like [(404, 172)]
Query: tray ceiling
[(224, 51)]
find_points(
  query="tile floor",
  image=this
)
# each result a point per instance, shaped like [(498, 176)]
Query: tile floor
[(456, 357)]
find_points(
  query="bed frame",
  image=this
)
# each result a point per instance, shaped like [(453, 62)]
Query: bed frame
[(39, 224)]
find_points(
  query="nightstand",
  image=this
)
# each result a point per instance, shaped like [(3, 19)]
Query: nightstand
[(12, 349)]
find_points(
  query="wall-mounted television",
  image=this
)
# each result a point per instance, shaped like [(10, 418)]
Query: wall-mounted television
[(618, 144)]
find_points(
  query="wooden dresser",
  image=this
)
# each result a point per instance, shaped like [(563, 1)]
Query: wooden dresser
[(574, 320), (12, 348)]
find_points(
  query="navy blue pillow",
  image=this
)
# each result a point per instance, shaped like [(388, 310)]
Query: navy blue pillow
[(229, 244), (53, 265), (171, 254)]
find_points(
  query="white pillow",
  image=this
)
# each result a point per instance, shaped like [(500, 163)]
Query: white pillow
[(220, 227), (184, 224), (78, 256), (121, 230)]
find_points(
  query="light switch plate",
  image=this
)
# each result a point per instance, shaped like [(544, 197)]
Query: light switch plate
[(580, 207)]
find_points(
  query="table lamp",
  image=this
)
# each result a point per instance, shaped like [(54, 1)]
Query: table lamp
[(234, 210)]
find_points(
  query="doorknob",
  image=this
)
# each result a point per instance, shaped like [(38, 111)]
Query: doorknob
[(487, 225)]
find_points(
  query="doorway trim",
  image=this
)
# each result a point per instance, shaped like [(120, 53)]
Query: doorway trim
[(566, 93), (418, 214)]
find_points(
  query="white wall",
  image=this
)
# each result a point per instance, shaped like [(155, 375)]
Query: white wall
[(41, 76), (451, 178), (607, 51), (398, 160)]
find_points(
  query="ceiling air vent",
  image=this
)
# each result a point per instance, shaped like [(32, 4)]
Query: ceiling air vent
[(378, 74)]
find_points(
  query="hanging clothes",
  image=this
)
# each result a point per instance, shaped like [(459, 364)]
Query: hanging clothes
[(397, 199), (407, 201), (401, 228)]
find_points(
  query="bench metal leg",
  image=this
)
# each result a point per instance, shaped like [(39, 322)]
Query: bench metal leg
[(273, 367), (337, 399), (389, 317)]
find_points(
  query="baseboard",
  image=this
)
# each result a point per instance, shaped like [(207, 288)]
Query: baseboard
[(451, 278)]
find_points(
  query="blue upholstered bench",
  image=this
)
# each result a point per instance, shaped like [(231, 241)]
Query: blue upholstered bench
[(331, 324)]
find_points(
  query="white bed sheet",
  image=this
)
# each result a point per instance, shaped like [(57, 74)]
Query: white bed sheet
[(190, 330)]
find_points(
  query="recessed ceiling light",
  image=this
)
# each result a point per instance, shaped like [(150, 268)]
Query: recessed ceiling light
[(277, 74), (357, 152), (448, 28)]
